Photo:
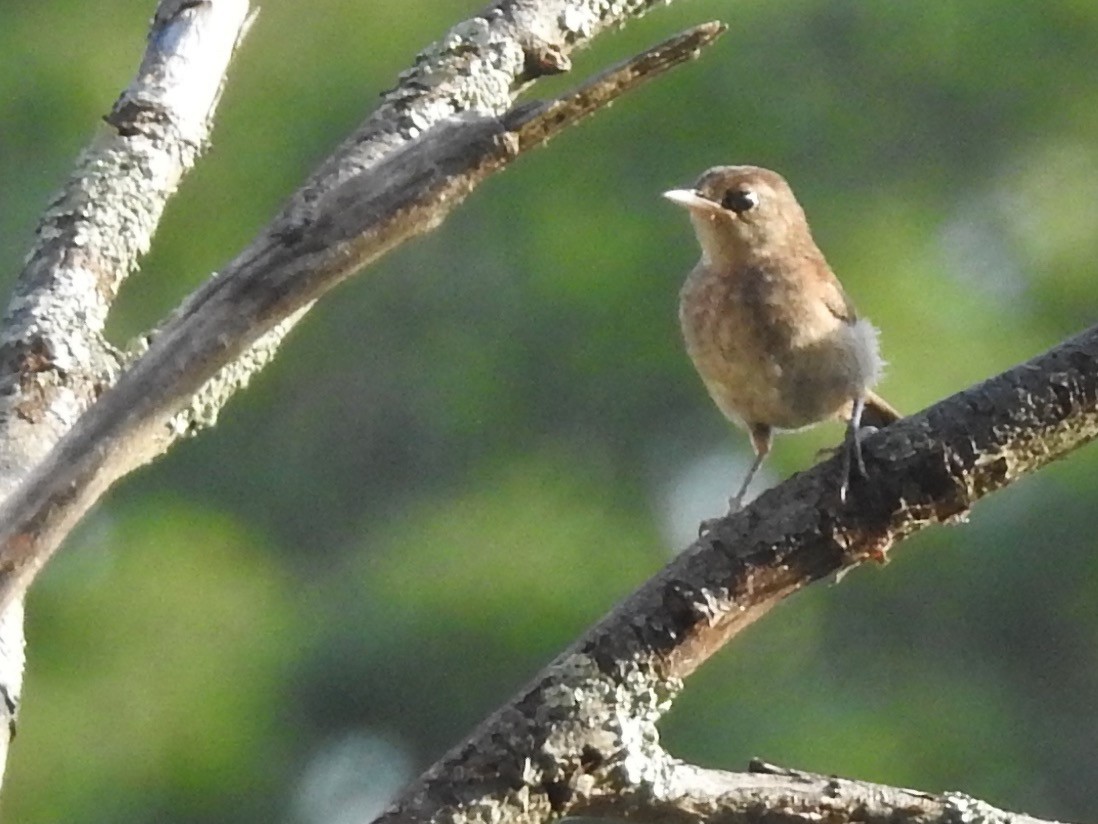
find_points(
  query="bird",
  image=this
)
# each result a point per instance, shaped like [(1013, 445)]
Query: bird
[(767, 325)]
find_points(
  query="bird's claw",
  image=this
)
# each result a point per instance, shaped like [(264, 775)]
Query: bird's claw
[(735, 504), (853, 445)]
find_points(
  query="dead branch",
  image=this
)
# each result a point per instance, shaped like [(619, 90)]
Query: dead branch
[(585, 729), (684, 794), (54, 361), (321, 237)]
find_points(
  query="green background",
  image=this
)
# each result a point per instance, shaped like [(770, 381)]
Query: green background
[(471, 451)]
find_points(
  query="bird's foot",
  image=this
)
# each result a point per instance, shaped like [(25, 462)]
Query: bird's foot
[(864, 432), (735, 504), (852, 456)]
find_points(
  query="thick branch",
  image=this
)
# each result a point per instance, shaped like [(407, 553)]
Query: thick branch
[(685, 794), (480, 66), (321, 239), (53, 359), (591, 715)]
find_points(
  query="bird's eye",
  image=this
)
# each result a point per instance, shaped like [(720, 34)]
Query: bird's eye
[(740, 200)]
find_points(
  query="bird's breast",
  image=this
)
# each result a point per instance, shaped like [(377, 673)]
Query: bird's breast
[(766, 350)]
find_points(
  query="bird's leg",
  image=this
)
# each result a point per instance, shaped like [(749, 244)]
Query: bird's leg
[(853, 445), (760, 442)]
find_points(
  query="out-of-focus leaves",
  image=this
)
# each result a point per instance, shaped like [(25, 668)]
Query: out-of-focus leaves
[(158, 664), (503, 574)]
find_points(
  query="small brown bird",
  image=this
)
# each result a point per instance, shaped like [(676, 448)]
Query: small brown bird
[(766, 322)]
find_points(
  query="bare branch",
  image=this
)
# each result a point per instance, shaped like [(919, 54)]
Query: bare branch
[(685, 794), (54, 361), (531, 125), (320, 239), (479, 66), (591, 714)]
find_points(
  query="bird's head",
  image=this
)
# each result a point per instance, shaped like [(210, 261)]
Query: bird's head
[(741, 212)]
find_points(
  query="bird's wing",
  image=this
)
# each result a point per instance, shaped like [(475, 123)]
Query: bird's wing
[(878, 412), (836, 300)]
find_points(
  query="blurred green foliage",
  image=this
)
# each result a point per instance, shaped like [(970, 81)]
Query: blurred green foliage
[(470, 452)]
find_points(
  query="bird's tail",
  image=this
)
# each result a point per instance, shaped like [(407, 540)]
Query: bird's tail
[(878, 412)]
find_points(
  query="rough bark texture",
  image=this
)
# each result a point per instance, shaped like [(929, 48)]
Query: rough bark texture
[(683, 794), (54, 361), (479, 66), (318, 240)]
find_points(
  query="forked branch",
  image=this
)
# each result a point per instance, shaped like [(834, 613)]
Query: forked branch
[(322, 237)]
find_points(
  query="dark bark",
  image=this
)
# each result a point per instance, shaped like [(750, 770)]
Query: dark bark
[(585, 730)]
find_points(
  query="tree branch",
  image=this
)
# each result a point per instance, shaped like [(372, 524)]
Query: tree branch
[(320, 238), (480, 66), (530, 125), (54, 361), (566, 740), (685, 794)]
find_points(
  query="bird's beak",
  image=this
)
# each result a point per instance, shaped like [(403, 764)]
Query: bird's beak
[(689, 199)]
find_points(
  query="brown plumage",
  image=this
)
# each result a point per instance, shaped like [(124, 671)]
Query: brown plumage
[(767, 324)]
